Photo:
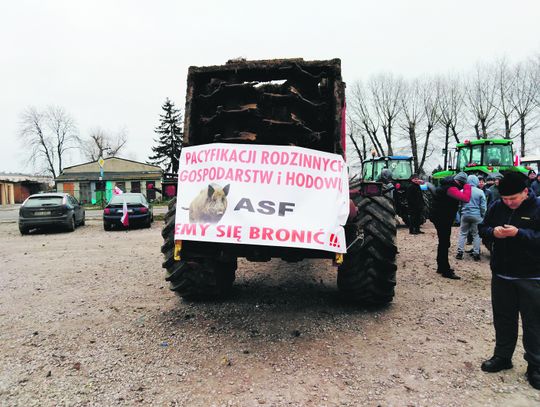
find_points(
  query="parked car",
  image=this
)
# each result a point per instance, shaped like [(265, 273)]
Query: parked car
[(139, 211), (51, 209)]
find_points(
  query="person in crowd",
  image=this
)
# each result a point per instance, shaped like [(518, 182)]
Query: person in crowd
[(492, 193), (513, 225), (535, 185), (490, 180), (531, 177), (481, 183), (415, 204), (443, 212), (472, 213), (386, 179)]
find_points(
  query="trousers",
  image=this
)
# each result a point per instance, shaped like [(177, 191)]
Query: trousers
[(469, 224), (509, 299), (444, 230), (415, 219)]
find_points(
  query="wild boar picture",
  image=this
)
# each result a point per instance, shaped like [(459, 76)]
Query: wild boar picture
[(209, 205)]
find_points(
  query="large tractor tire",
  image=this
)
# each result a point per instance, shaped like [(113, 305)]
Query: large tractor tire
[(194, 278), (368, 273), (428, 198)]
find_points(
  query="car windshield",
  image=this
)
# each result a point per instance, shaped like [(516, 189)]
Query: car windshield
[(131, 199), (38, 201)]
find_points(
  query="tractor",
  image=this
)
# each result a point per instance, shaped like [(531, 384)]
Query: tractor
[(402, 169), (285, 104), (482, 157)]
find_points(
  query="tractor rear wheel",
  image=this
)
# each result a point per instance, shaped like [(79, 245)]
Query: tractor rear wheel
[(428, 197), (197, 278), (368, 273)]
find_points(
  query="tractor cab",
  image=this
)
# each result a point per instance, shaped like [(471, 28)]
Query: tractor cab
[(485, 154), (482, 157), (401, 167)]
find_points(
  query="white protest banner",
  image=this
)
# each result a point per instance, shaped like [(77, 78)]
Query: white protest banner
[(262, 195)]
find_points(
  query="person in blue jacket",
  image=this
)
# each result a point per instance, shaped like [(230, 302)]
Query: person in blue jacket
[(512, 224), (472, 213)]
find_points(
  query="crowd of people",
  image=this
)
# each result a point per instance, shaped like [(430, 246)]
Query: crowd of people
[(503, 211)]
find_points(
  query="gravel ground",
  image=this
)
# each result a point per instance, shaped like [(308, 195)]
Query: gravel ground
[(86, 319)]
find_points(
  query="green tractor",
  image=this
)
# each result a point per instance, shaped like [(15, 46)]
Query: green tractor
[(402, 168), (482, 157)]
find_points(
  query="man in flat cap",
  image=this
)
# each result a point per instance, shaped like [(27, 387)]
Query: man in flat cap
[(443, 213), (513, 225)]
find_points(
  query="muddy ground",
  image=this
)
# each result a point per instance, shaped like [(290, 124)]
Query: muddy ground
[(86, 318)]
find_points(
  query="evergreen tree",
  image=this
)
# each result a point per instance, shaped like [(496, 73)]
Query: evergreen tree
[(169, 144)]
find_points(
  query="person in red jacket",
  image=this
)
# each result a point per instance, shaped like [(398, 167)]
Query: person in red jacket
[(443, 213)]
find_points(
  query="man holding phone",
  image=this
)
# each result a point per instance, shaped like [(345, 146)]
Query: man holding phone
[(512, 225)]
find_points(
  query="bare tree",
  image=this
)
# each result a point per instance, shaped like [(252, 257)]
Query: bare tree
[(430, 101), (505, 85), (386, 91), (524, 96), (101, 143), (451, 102), (358, 140), (48, 135), (419, 102), (363, 115), (481, 99), (413, 113)]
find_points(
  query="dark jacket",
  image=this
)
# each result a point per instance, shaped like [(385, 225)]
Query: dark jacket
[(517, 256), (492, 194), (443, 207), (535, 187), (415, 197)]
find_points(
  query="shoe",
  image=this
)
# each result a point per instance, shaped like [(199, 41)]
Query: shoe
[(496, 364), (451, 275), (445, 271), (459, 255), (419, 232), (476, 257), (533, 375)]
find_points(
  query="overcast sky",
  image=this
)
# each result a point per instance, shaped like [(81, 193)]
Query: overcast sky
[(111, 64)]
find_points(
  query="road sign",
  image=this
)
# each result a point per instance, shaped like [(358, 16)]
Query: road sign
[(101, 161)]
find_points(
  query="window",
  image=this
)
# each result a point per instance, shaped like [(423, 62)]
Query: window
[(498, 154), (36, 202), (401, 169), (135, 186), (121, 185), (129, 198), (85, 194), (366, 171), (463, 157), (476, 157), (150, 192)]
